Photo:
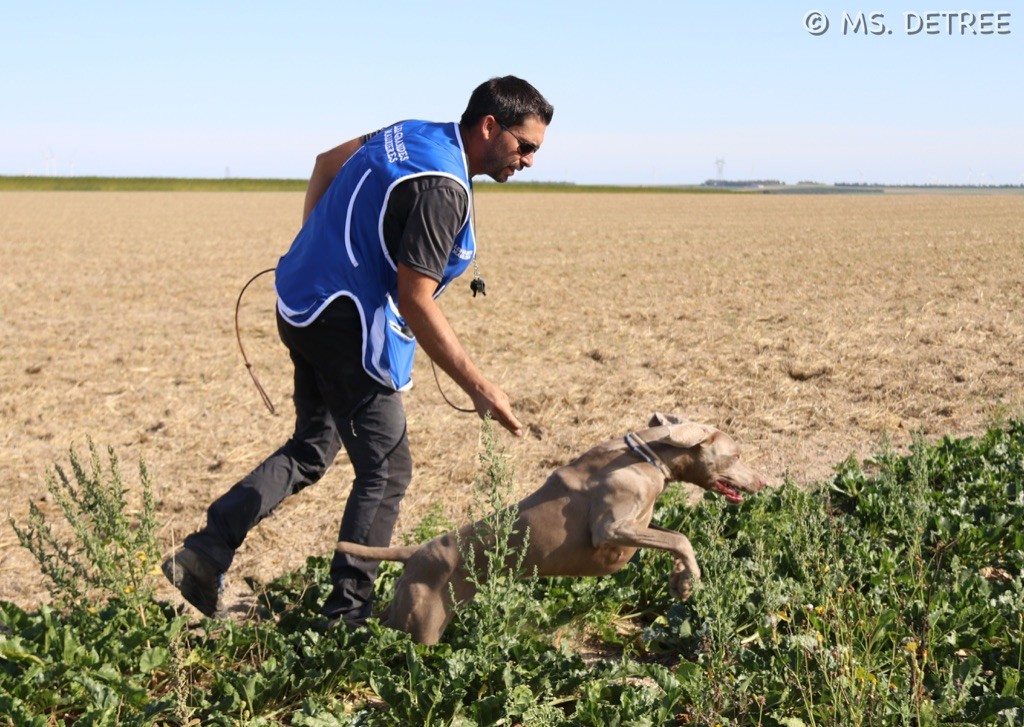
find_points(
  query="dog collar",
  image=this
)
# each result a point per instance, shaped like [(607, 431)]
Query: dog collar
[(640, 448)]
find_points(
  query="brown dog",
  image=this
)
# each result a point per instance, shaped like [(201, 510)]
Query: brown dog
[(587, 519)]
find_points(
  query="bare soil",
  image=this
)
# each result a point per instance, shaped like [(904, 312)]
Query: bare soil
[(812, 328)]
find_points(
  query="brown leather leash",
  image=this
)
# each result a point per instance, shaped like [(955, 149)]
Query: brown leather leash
[(238, 335), (252, 372)]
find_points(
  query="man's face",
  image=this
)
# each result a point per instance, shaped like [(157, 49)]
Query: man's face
[(512, 148)]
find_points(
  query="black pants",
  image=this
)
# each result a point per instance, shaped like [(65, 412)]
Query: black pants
[(336, 402)]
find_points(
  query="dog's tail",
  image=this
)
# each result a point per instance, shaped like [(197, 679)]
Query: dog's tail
[(366, 551)]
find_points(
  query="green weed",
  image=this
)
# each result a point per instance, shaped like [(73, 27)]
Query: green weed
[(105, 545)]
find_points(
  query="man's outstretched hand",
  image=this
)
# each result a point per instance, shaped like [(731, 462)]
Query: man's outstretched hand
[(490, 399)]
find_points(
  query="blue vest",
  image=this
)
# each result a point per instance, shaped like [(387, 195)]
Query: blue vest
[(341, 249)]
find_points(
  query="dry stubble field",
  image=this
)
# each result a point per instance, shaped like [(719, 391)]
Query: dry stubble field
[(810, 327)]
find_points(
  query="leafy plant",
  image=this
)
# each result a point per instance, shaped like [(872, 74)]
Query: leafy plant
[(494, 553), (434, 523), (105, 546)]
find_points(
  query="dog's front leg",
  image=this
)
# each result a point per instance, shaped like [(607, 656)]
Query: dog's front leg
[(685, 571), (626, 533)]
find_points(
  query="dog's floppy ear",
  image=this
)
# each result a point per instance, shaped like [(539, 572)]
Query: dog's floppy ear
[(661, 420), (687, 434)]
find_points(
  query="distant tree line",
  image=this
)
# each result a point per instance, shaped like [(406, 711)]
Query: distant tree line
[(753, 183), (736, 183), (930, 186)]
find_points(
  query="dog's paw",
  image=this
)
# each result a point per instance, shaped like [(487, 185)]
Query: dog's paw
[(682, 588), (683, 581)]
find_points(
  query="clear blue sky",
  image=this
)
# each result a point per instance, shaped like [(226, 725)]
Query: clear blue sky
[(644, 92)]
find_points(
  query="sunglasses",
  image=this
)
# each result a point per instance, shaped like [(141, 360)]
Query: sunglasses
[(526, 148)]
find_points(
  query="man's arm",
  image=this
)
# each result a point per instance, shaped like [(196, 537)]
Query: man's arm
[(436, 336), (326, 169)]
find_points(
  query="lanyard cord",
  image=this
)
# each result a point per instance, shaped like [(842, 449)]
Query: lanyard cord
[(477, 286), (443, 396)]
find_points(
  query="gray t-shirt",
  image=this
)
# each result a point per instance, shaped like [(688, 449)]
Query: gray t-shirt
[(423, 216)]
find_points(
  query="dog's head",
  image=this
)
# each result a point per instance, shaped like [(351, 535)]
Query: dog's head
[(708, 457)]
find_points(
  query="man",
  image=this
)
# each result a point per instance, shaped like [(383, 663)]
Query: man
[(387, 226)]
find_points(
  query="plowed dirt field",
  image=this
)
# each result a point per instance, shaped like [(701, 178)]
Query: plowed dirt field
[(812, 328)]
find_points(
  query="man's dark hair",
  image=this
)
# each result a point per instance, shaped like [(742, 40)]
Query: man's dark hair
[(508, 99)]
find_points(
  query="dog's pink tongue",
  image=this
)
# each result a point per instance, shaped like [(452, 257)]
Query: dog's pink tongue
[(731, 495)]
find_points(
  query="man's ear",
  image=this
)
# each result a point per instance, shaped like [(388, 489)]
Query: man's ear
[(662, 420), (489, 127), (688, 434)]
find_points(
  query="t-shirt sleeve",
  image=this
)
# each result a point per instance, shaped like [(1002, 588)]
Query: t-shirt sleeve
[(426, 214)]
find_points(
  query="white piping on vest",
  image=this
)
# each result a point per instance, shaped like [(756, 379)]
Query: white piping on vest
[(348, 221)]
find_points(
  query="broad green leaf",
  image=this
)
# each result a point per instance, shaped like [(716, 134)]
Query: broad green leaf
[(152, 659)]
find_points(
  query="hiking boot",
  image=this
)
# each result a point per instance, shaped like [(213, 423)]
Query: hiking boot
[(198, 580)]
